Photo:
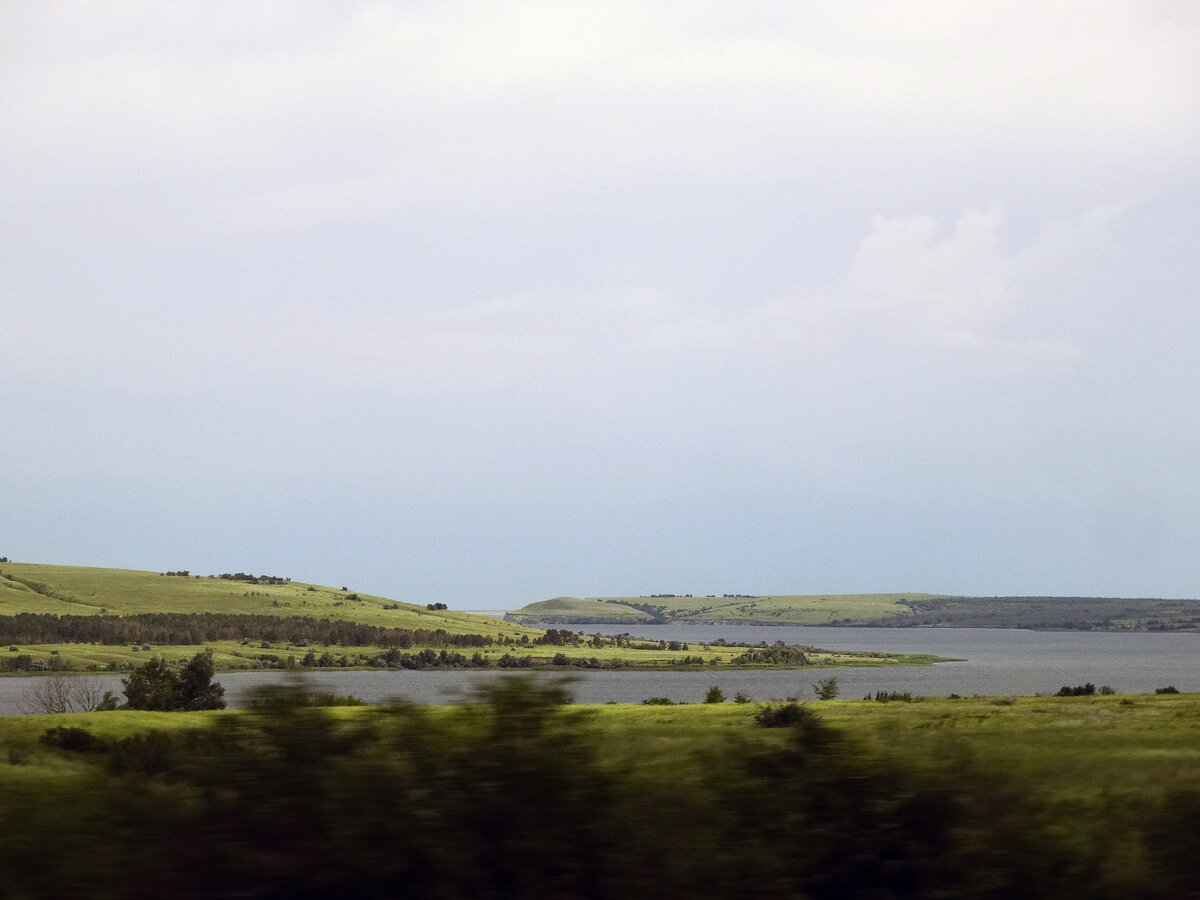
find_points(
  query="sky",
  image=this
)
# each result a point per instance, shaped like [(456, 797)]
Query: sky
[(486, 303)]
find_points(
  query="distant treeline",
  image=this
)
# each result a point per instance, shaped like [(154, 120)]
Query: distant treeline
[(201, 628), (237, 576), (1055, 613)]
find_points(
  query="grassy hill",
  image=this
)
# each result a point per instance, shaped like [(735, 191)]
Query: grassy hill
[(781, 609), (909, 609), (92, 619), (77, 590)]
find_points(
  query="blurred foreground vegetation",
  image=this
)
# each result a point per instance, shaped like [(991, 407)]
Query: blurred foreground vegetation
[(523, 794)]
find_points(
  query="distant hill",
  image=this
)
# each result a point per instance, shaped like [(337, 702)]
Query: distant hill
[(77, 590), (881, 610), (796, 609)]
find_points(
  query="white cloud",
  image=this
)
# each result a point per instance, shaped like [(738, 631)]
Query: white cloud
[(917, 305), (275, 114)]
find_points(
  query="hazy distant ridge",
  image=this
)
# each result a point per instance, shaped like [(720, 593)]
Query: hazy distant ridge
[(887, 610)]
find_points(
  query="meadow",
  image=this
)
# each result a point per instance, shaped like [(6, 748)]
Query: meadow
[(519, 795), (79, 590), (907, 609), (780, 609)]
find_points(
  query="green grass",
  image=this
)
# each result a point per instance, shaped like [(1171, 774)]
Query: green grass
[(1079, 750), (235, 655), (780, 609), (76, 590), (1041, 796)]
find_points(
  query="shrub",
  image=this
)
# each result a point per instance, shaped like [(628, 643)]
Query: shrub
[(784, 716), (75, 740), (714, 695), (1169, 689), (1080, 690), (155, 686), (826, 689)]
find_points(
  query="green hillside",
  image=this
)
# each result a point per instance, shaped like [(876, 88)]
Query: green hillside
[(910, 609), (781, 609), (77, 590)]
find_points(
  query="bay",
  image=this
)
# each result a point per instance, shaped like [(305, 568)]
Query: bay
[(990, 661)]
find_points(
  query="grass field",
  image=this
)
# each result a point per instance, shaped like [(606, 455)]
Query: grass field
[(1127, 748), (76, 590), (237, 656), (975, 797), (782, 609), (912, 609)]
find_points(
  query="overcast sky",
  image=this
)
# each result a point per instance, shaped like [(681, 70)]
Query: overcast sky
[(486, 303)]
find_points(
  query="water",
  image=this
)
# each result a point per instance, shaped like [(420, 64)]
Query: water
[(993, 661)]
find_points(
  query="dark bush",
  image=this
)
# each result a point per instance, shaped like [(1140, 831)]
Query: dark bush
[(76, 740), (783, 716), (1080, 690)]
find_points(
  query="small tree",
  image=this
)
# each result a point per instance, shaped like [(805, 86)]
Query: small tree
[(153, 685), (60, 693), (714, 695), (826, 689), (196, 687)]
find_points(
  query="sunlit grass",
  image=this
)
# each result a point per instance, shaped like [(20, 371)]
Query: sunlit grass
[(76, 590)]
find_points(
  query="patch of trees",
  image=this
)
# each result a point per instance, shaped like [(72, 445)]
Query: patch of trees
[(156, 685), (255, 579), (656, 613), (556, 638), (1057, 613), (433, 607), (172, 629), (1083, 690), (182, 573), (776, 655)]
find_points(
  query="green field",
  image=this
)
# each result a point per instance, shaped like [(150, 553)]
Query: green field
[(976, 797), (77, 590), (781, 609), (888, 610)]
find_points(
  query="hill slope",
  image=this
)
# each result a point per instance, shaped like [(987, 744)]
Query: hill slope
[(882, 610), (77, 590), (793, 609)]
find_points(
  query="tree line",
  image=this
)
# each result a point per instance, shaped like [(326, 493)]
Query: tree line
[(173, 629)]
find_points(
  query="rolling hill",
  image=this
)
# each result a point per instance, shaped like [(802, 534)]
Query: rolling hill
[(77, 590), (880, 610)]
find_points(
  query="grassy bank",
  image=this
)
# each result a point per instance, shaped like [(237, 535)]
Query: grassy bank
[(249, 655)]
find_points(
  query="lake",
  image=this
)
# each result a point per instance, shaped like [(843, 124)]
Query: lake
[(993, 661)]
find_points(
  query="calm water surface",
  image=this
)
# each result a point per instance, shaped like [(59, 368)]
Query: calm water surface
[(993, 661)]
